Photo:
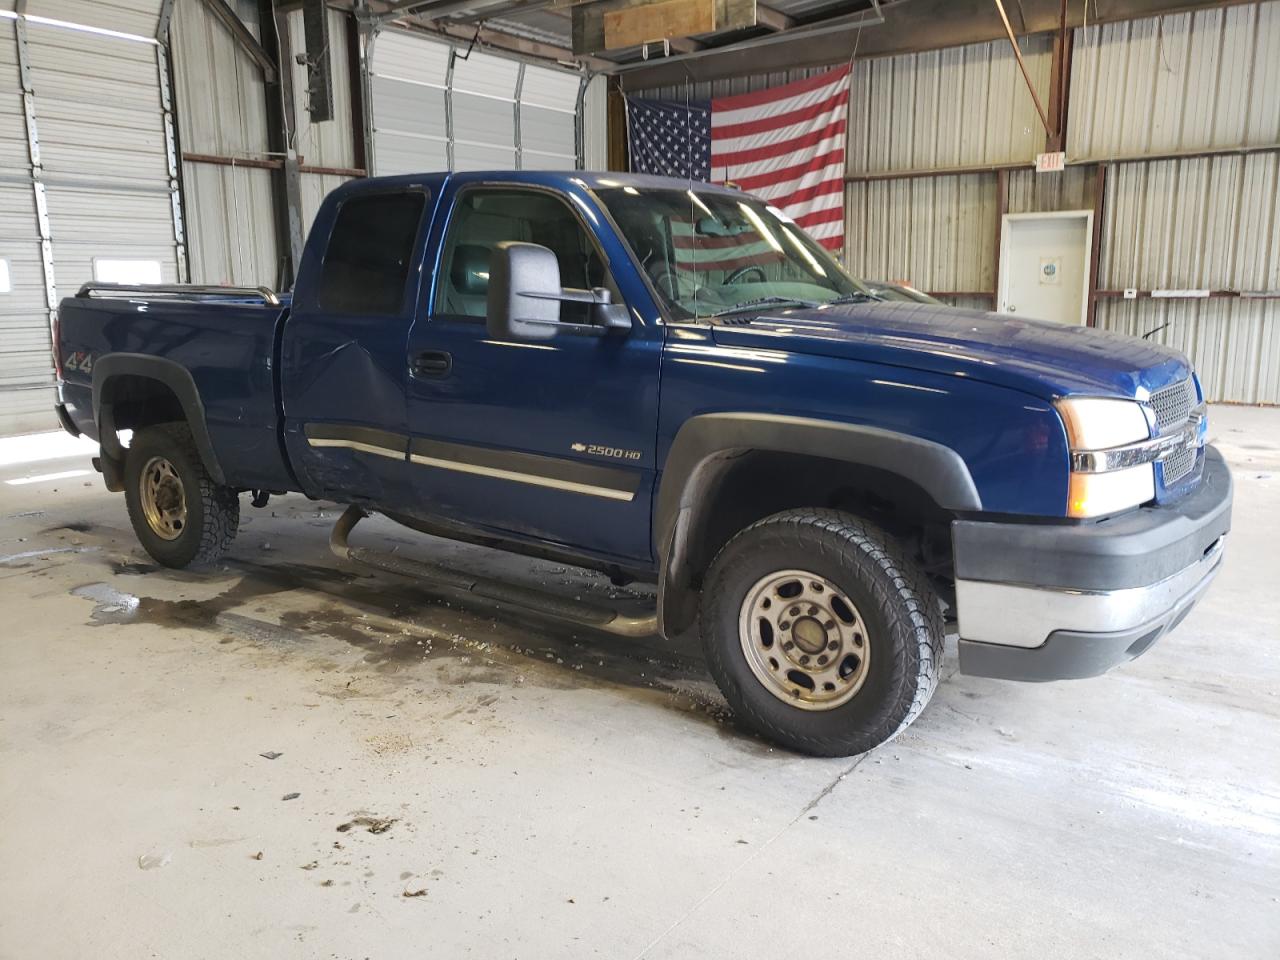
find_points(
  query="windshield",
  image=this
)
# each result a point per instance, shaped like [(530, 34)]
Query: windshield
[(710, 253)]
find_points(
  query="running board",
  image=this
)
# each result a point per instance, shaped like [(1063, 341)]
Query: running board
[(550, 605)]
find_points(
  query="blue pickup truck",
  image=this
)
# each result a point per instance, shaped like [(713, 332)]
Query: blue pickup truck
[(673, 383)]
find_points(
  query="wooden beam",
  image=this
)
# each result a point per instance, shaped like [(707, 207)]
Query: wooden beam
[(662, 20), (622, 24), (772, 19)]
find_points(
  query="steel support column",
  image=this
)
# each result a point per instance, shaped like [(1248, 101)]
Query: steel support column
[(366, 34), (281, 124)]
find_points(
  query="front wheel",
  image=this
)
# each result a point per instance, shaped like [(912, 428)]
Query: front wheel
[(180, 515), (821, 634)]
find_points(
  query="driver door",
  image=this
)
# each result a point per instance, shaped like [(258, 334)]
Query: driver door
[(550, 441)]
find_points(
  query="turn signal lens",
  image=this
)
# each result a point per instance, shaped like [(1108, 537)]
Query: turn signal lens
[(1096, 423), (1098, 494)]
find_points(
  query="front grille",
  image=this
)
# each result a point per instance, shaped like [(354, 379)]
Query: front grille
[(1172, 405), (1177, 465)]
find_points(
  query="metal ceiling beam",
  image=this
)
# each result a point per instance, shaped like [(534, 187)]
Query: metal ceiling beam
[(685, 44), (488, 37), (426, 9), (242, 36), (772, 19), (910, 27)]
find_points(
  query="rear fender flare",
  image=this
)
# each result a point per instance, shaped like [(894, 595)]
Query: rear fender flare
[(707, 445), (174, 376)]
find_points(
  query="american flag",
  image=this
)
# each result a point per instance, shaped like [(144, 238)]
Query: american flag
[(784, 144)]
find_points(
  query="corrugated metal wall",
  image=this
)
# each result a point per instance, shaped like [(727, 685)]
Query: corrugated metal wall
[(1190, 81), (960, 107), (103, 166), (25, 396), (595, 124), (1205, 80), (932, 232), (1209, 223), (230, 220), (102, 144)]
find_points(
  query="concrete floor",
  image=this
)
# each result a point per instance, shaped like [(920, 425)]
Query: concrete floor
[(552, 795)]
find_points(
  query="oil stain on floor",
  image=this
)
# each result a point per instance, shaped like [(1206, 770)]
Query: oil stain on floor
[(397, 626)]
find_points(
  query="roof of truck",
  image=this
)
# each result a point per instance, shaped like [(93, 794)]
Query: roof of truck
[(582, 178)]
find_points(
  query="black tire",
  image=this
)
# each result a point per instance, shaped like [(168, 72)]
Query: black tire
[(897, 604), (212, 511)]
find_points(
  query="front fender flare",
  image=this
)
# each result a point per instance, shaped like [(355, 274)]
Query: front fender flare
[(706, 445)]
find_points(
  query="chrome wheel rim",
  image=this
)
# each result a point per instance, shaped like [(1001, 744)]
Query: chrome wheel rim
[(164, 501), (804, 640)]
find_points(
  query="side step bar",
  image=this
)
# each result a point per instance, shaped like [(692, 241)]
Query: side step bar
[(549, 605)]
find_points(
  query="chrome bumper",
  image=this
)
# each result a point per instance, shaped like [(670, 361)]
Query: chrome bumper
[(1039, 601), (1023, 616)]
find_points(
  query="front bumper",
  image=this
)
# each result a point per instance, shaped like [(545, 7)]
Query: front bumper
[(1052, 601)]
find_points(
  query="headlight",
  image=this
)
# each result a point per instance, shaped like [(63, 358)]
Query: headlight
[(1097, 424)]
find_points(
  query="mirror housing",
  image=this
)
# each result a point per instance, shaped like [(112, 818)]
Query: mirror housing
[(525, 295)]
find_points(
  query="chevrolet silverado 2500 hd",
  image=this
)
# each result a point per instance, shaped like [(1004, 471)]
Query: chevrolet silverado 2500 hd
[(672, 382)]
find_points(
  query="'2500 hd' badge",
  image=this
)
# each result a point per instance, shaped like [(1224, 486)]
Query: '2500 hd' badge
[(599, 450)]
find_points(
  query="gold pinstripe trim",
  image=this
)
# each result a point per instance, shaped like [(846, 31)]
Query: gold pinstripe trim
[(357, 445), (533, 479)]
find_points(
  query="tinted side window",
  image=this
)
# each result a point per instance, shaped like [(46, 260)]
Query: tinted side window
[(367, 262), (483, 218)]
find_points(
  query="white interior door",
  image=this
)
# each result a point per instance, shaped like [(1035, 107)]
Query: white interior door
[(1044, 265)]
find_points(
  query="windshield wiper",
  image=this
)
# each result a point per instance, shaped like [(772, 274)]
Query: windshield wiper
[(854, 298), (761, 301)]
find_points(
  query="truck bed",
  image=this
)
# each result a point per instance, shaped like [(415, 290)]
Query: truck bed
[(227, 339)]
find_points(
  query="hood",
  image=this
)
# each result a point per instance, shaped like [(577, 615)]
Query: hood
[(1036, 356)]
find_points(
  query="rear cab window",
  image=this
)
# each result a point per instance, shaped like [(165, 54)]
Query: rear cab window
[(367, 262)]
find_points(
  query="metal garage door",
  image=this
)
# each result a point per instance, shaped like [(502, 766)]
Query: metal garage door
[(434, 109), (93, 77), (25, 371)]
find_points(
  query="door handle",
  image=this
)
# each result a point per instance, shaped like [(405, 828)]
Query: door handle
[(432, 363)]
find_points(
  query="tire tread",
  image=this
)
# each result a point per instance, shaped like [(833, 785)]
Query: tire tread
[(220, 505), (901, 588)]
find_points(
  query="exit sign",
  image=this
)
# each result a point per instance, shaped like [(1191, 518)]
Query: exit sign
[(1051, 162)]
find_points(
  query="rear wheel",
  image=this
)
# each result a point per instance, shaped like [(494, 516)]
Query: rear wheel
[(179, 514), (822, 635)]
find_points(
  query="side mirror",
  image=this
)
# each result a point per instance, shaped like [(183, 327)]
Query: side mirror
[(525, 295)]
